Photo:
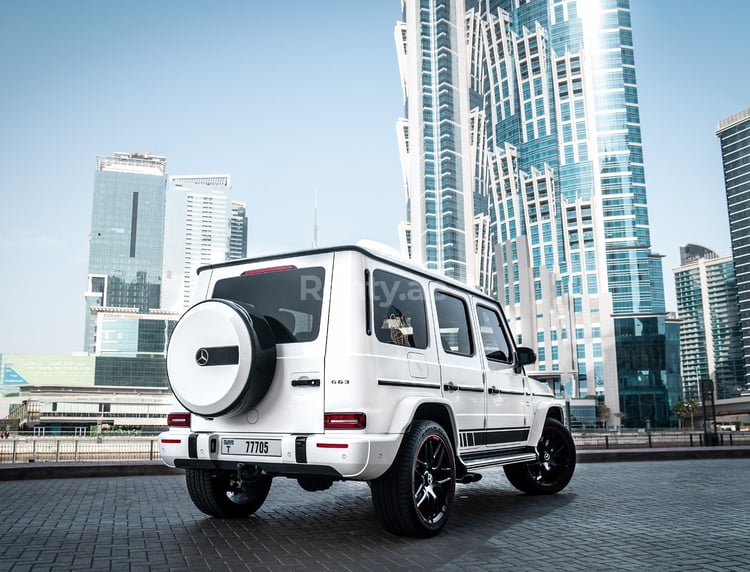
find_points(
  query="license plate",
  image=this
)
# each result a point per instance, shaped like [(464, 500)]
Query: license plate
[(254, 447)]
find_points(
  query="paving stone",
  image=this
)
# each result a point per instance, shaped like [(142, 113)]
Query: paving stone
[(662, 515)]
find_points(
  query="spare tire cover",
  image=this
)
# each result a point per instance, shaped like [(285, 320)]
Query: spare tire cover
[(221, 358)]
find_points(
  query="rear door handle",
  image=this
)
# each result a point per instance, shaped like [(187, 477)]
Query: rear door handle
[(493, 390)]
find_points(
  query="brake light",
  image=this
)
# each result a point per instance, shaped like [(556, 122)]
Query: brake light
[(178, 420), (267, 270), (171, 441), (332, 445), (344, 420)]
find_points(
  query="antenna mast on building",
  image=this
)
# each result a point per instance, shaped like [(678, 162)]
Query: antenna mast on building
[(315, 222)]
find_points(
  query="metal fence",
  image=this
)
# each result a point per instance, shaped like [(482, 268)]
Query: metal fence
[(71, 449), (77, 449), (659, 439)]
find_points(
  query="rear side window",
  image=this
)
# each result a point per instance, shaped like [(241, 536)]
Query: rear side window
[(453, 324), (289, 299), (399, 315)]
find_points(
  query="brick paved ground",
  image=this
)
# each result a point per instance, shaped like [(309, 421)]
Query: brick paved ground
[(659, 515)]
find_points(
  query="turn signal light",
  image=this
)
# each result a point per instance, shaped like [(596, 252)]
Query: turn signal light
[(178, 420), (344, 420)]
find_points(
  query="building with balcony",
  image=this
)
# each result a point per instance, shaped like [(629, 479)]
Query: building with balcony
[(522, 157), (710, 336), (198, 231), (734, 135)]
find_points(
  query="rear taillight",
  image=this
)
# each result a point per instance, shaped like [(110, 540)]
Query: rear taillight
[(178, 420), (344, 420)]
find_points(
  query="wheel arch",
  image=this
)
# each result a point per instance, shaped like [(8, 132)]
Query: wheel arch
[(441, 414), (555, 411), (545, 409), (415, 408)]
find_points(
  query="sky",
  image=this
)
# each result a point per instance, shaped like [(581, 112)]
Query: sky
[(294, 100)]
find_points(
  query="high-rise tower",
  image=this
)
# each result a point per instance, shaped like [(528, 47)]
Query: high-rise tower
[(710, 340), (435, 137), (523, 164), (734, 134), (127, 236), (237, 232), (197, 232)]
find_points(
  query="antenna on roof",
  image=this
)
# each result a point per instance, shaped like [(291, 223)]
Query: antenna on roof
[(315, 222)]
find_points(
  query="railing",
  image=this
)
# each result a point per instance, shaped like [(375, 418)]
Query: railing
[(657, 439), (71, 449), (85, 449)]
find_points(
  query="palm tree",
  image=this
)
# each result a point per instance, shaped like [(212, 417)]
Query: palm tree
[(691, 406), (683, 409), (680, 410)]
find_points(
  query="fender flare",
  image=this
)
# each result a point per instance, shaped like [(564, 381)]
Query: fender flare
[(544, 408), (405, 413)]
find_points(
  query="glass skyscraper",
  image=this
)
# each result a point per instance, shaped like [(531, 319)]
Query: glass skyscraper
[(238, 232), (126, 244), (149, 235), (522, 156), (734, 134), (710, 339)]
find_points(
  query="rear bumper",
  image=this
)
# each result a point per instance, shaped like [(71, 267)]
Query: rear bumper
[(358, 457)]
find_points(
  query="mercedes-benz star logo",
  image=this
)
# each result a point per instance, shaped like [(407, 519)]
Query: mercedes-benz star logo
[(201, 357)]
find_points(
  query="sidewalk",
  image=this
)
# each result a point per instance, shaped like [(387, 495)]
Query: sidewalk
[(53, 470)]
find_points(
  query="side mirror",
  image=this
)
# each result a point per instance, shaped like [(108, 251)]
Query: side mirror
[(524, 356)]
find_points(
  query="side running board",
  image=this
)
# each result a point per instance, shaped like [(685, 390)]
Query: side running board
[(498, 458)]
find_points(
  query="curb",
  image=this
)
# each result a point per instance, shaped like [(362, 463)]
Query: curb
[(665, 454), (53, 470)]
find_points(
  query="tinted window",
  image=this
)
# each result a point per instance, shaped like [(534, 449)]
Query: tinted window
[(453, 324), (290, 300), (494, 342), (398, 310)]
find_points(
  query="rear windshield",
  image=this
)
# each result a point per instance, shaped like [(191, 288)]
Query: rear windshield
[(290, 300)]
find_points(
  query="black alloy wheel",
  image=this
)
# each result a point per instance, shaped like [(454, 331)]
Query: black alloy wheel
[(555, 465), (415, 496), (433, 480)]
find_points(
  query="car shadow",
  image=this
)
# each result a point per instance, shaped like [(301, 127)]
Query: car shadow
[(335, 528)]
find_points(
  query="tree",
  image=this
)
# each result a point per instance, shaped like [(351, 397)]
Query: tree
[(602, 414), (692, 407), (684, 409)]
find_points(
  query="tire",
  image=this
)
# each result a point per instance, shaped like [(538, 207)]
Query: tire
[(554, 469), (415, 496), (221, 358), (218, 494)]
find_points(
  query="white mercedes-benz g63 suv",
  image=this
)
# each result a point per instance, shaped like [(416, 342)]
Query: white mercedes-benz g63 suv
[(345, 363)]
